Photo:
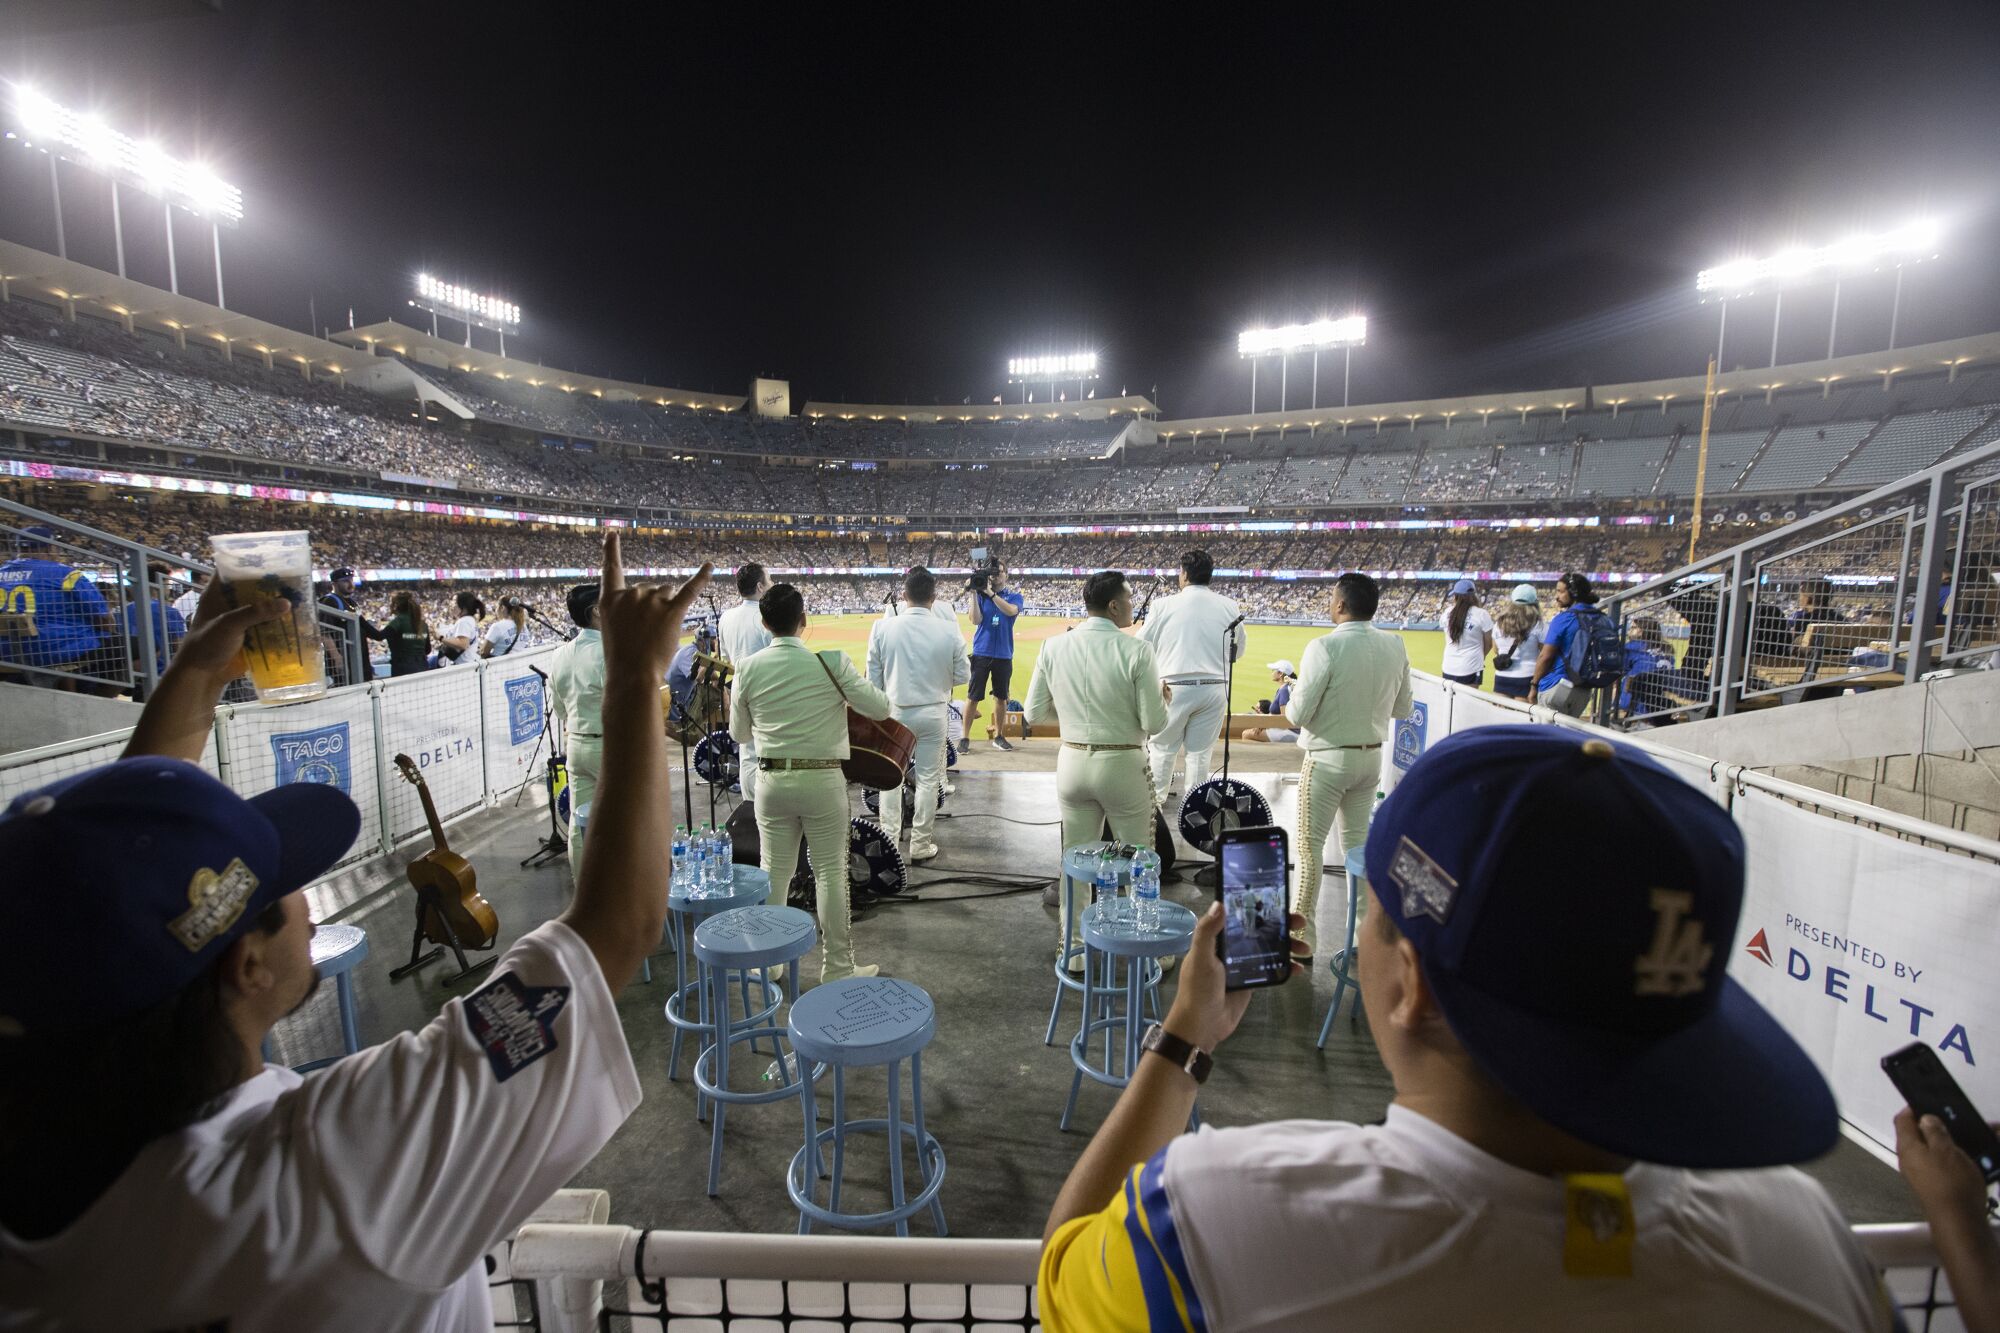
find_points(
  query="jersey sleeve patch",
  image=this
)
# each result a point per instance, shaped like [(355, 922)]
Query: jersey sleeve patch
[(514, 1023)]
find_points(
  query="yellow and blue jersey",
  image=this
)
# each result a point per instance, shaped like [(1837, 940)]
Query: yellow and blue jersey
[(50, 614), (1123, 1268)]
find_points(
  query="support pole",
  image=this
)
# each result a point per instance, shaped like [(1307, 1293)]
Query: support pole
[(62, 246), (1347, 381), (1701, 462), (118, 229), (1253, 386), (1895, 306), (1721, 332), (1777, 313), (173, 273), (1833, 325), (215, 229), (1315, 401)]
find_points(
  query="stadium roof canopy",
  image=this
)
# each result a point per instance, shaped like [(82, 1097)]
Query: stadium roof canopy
[(421, 347), (73, 286), (1085, 409), (1926, 358)]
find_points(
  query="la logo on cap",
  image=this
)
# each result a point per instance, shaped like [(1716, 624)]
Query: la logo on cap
[(1677, 964)]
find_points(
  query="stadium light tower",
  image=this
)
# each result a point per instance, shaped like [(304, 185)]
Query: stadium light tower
[(86, 141), (1255, 344), (462, 303), (1051, 370), (1911, 243)]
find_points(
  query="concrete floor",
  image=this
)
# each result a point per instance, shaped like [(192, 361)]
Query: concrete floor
[(994, 1092)]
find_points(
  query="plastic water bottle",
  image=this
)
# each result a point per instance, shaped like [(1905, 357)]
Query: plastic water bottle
[(717, 868), (681, 861), (1146, 891), (1104, 886), (725, 855)]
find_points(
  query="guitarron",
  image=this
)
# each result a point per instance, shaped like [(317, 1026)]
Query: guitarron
[(450, 910)]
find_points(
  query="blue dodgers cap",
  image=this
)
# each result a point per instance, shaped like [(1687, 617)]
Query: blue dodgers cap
[(1573, 904), (1460, 588), (126, 882)]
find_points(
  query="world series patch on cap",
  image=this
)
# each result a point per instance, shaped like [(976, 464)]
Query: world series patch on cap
[(1572, 904), (126, 882)]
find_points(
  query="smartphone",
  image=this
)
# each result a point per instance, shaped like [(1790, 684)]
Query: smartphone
[(1256, 948), (1930, 1089)]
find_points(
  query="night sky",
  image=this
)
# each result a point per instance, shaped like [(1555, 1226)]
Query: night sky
[(883, 205)]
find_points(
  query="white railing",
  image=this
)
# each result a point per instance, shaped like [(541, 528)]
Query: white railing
[(475, 732), (781, 1282)]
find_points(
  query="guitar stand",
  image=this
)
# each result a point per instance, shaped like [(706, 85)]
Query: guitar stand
[(419, 956)]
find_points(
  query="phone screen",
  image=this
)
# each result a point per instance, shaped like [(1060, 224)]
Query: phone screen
[(1256, 947), (1931, 1090)]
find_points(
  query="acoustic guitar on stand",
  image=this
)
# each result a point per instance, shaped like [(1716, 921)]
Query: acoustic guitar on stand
[(450, 912)]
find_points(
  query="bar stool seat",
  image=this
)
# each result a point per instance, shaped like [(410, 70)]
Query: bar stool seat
[(744, 940), (859, 1023), (1342, 962), (1079, 866), (336, 952), (749, 887), (1109, 941)]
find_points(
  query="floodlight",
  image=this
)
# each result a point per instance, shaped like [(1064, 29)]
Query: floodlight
[(89, 142), (462, 303), (1352, 331), (1916, 239), (1076, 365)]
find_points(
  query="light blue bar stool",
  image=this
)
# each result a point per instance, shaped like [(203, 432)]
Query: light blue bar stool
[(1342, 963), (744, 940), (1111, 940), (336, 952), (859, 1023), (1079, 868), (749, 886)]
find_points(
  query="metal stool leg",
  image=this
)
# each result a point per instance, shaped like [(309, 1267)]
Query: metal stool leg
[(896, 1143), (923, 1138), (716, 980), (809, 1100), (839, 1136), (350, 1035), (680, 991), (1076, 1073)]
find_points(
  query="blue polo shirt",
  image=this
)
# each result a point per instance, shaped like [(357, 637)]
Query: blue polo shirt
[(995, 635), (61, 604), (1557, 636)]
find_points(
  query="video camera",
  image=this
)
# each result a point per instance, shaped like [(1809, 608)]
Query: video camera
[(984, 566)]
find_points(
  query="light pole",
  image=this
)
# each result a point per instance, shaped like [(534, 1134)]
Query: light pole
[(1909, 244), (1254, 344), (1051, 370), (466, 305)]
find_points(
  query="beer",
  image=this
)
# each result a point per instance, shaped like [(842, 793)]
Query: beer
[(287, 663)]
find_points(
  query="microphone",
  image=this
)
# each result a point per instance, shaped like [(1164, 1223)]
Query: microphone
[(538, 671)]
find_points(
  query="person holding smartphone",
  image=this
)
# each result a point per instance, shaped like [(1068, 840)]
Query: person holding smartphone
[(1592, 1124), (1952, 1191)]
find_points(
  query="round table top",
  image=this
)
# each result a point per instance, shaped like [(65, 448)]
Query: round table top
[(747, 937), (749, 886), (1080, 862), (862, 1021), (335, 949), (1123, 937)]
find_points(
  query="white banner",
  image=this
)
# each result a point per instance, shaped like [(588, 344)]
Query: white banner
[(516, 708), (328, 740), (1860, 943), (434, 718)]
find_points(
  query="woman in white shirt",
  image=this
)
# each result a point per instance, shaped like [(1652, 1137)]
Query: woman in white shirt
[(464, 632), (505, 631), (1517, 642), (1468, 636)]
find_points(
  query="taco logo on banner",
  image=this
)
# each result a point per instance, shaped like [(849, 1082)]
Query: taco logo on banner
[(1410, 733), (524, 710), (320, 755)]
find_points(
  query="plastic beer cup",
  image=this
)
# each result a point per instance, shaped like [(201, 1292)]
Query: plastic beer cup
[(287, 663)]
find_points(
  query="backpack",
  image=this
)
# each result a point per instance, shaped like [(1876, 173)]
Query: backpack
[(1596, 655)]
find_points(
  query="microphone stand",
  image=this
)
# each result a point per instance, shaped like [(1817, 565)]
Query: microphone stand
[(565, 635), (1211, 874), (557, 843)]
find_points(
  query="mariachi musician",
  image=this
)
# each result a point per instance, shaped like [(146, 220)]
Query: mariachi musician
[(792, 703)]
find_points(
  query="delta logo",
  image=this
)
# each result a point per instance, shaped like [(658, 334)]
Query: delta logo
[(1851, 984)]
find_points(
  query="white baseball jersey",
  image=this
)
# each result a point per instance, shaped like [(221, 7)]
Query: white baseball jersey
[(1314, 1225), (1190, 634), (742, 631), (364, 1196), (915, 659)]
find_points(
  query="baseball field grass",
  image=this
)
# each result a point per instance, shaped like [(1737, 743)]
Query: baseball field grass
[(1268, 643)]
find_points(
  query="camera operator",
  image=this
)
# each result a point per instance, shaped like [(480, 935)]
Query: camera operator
[(994, 608)]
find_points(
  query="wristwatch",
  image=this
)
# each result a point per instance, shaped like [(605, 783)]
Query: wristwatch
[(1186, 1054)]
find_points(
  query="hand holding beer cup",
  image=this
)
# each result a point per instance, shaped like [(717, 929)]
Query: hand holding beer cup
[(283, 652)]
